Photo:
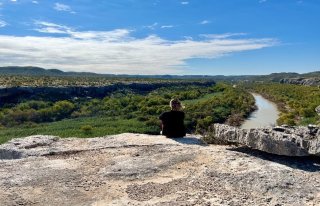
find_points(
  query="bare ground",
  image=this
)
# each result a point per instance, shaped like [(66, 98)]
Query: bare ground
[(135, 169)]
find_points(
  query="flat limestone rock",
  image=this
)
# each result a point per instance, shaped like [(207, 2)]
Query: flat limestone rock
[(45, 145), (138, 169), (289, 141)]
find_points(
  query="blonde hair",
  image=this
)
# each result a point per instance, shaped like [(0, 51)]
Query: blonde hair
[(176, 105)]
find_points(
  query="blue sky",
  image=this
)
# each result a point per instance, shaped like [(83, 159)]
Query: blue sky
[(214, 37)]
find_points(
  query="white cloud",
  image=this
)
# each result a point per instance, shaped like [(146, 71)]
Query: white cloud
[(221, 36), (63, 7), (13, 0), (115, 51), (156, 2), (205, 22), (51, 28), (184, 2), (35, 2), (152, 26), (3, 23), (48, 27), (166, 26), (156, 25), (188, 38)]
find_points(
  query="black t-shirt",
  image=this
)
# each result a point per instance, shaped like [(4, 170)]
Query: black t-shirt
[(173, 125)]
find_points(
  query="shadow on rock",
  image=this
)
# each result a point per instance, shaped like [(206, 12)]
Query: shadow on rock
[(189, 141), (308, 163)]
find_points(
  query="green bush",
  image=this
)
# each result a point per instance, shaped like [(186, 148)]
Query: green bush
[(86, 129)]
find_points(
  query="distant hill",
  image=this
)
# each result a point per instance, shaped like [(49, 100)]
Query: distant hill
[(312, 74), (37, 71)]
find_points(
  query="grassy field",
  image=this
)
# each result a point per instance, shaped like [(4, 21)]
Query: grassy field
[(80, 127)]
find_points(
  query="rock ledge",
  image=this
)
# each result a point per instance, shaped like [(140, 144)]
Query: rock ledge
[(284, 140)]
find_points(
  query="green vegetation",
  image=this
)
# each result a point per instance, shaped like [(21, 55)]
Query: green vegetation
[(68, 104), (71, 81), (13, 76), (79, 127), (87, 129), (125, 110), (297, 103)]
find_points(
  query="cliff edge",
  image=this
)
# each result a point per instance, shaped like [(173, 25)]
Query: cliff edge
[(137, 169)]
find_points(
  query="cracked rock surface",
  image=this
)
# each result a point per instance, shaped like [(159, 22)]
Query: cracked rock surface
[(137, 169), (280, 140)]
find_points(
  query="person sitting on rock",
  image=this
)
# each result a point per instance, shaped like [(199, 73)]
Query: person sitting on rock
[(172, 122)]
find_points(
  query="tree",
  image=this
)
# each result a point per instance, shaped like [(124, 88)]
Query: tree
[(62, 109)]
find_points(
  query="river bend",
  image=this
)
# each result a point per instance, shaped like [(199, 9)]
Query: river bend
[(266, 114)]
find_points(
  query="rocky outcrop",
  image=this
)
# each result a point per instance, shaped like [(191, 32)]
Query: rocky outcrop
[(301, 81), (289, 141), (136, 169)]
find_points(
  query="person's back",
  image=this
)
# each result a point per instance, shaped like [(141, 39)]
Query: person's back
[(173, 121)]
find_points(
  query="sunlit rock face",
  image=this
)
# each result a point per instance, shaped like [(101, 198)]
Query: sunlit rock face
[(301, 81), (284, 140)]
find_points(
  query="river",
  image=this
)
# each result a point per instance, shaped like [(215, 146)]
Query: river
[(266, 114)]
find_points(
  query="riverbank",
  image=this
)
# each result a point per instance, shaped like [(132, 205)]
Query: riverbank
[(296, 103)]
